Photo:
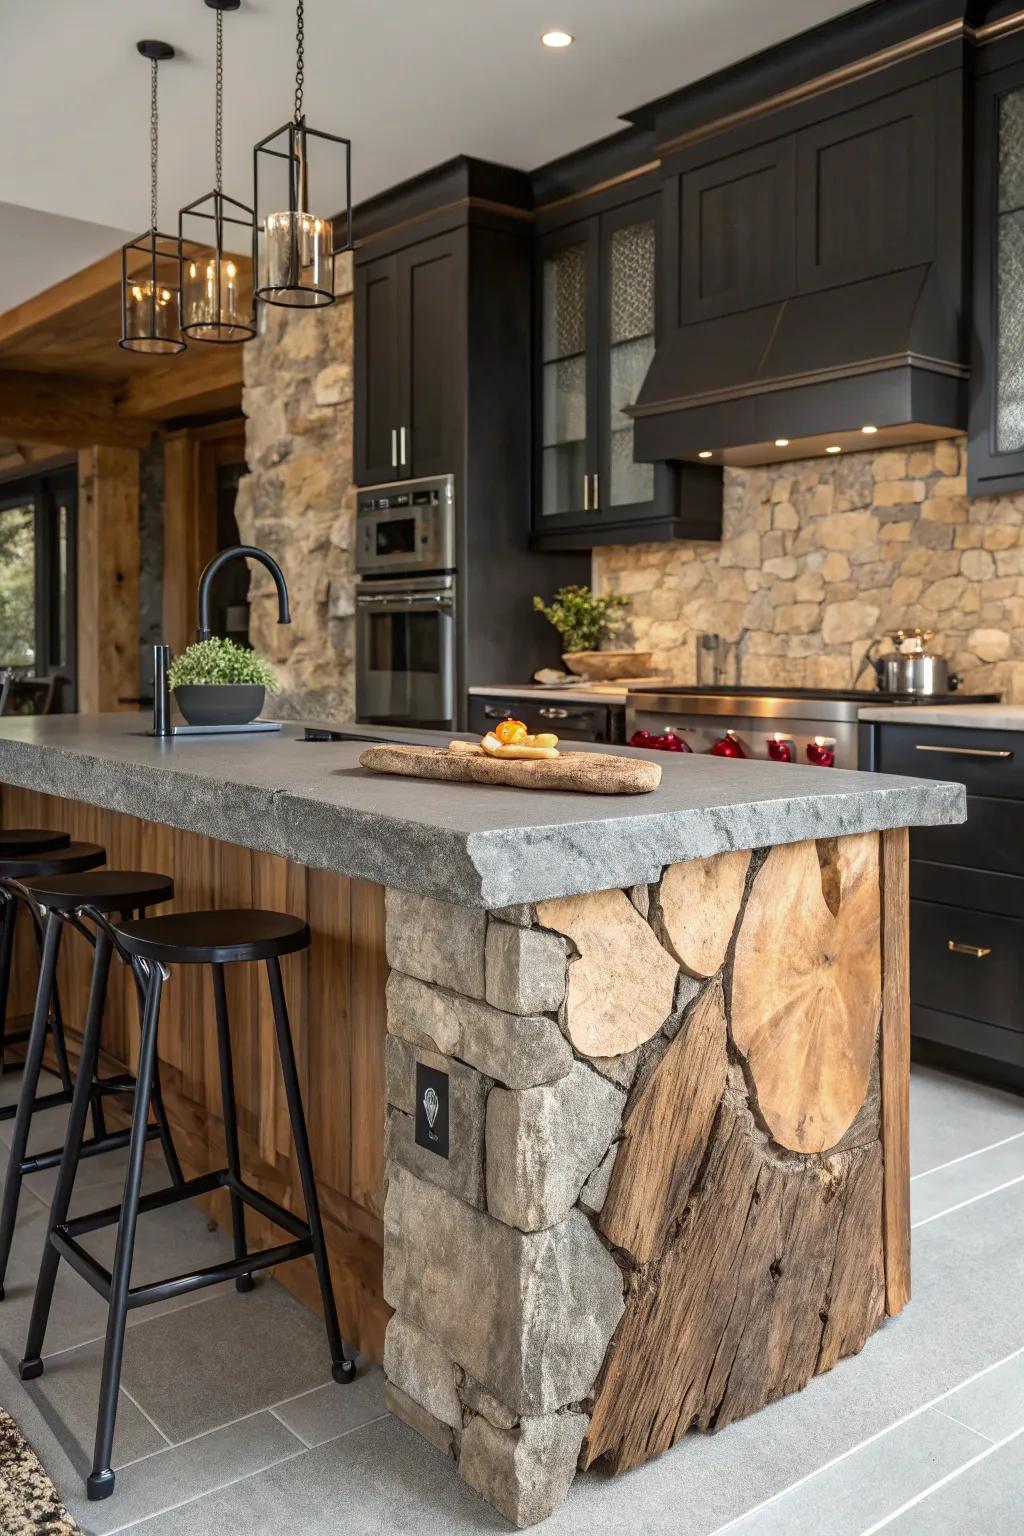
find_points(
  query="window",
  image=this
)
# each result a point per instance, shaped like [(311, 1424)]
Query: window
[(37, 580)]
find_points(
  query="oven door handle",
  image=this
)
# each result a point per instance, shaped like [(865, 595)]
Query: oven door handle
[(423, 602)]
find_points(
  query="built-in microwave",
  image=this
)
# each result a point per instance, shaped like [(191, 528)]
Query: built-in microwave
[(406, 528)]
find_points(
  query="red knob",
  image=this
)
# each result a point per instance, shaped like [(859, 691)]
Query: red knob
[(640, 739), (821, 752), (780, 751), (728, 746)]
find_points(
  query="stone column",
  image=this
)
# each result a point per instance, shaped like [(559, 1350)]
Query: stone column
[(649, 1114)]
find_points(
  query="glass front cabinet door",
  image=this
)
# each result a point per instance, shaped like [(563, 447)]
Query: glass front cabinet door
[(996, 449), (595, 340)]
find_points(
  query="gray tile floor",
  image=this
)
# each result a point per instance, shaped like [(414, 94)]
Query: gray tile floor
[(228, 1421)]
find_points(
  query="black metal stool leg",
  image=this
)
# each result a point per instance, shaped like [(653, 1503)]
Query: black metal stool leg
[(227, 1093), (164, 1131), (56, 1023), (100, 1482), (29, 1086), (342, 1368), (32, 1364), (10, 917)]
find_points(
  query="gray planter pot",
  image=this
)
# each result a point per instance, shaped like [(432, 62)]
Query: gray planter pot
[(220, 703)]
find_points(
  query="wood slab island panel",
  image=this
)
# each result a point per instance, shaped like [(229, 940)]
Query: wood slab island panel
[(336, 998)]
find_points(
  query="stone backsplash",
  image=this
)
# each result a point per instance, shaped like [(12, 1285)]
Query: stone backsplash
[(298, 500), (819, 557)]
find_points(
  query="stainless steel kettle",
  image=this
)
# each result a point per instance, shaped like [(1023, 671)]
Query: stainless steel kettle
[(910, 668)]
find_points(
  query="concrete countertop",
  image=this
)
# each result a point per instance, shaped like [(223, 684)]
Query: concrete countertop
[(475, 844), (980, 717), (574, 693)]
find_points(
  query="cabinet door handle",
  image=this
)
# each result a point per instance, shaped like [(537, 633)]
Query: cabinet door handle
[(586, 493), (552, 712), (597, 498), (394, 448), (401, 449), (1002, 754), (492, 712), (976, 951)]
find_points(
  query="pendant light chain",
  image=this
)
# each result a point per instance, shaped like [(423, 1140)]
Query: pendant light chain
[(219, 109), (153, 144), (300, 57)]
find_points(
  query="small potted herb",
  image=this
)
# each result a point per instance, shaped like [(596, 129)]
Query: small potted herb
[(217, 682), (585, 622)]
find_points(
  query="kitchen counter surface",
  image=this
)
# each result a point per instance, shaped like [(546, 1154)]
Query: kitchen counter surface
[(310, 802), (979, 717), (575, 693)]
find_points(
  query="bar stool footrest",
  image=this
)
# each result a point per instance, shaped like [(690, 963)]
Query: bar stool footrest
[(112, 1142), (63, 1238)]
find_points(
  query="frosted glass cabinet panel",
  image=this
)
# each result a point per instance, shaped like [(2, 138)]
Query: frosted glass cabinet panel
[(564, 328), (630, 299), (1009, 276)]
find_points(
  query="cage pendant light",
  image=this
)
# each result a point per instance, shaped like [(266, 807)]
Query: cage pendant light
[(294, 171), (150, 265), (216, 302)]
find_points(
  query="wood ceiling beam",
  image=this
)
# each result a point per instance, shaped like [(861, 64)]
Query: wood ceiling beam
[(81, 289), (205, 378), (46, 408)]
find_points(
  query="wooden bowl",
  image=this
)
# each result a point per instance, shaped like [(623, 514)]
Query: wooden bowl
[(608, 666)]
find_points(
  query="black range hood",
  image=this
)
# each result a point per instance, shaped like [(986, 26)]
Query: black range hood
[(813, 370)]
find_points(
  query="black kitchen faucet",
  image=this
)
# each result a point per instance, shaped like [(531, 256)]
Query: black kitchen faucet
[(162, 653)]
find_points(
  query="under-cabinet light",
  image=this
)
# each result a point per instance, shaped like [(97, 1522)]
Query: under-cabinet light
[(556, 39)]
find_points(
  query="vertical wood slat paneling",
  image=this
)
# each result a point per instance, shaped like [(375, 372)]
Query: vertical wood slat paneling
[(335, 993), (895, 1066)]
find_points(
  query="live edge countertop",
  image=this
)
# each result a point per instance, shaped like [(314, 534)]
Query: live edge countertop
[(473, 844)]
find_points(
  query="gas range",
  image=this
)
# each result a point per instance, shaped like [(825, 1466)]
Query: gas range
[(801, 717)]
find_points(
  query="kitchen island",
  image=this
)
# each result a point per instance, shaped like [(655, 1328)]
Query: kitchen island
[(639, 1066)]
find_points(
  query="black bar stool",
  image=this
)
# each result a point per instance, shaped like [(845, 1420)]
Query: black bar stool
[(55, 900), (17, 842), (150, 945), (22, 864)]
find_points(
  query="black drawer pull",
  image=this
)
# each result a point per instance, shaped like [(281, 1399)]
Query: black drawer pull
[(976, 951), (492, 712), (968, 751)]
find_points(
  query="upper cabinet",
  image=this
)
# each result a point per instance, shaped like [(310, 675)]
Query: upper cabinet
[(595, 328), (853, 195), (995, 457), (408, 327)]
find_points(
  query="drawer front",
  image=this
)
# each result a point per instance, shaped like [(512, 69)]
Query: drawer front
[(987, 762), (967, 963), (991, 838), (571, 722), (980, 890), (986, 1041)]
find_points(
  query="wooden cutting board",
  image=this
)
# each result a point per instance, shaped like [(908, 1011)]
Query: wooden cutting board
[(593, 773)]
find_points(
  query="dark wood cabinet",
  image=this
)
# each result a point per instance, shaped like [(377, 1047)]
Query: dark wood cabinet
[(407, 405), (736, 239), (995, 457), (967, 898), (597, 316)]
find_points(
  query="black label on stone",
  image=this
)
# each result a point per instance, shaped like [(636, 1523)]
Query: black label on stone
[(432, 1109)]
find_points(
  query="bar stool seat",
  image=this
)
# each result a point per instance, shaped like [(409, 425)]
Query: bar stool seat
[(15, 840), (108, 890), (214, 938), (59, 861), (152, 946)]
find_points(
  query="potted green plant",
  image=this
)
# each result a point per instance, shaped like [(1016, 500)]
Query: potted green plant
[(217, 682), (585, 621)]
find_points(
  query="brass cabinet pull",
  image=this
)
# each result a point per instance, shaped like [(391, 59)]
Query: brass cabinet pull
[(553, 712), (586, 493), (976, 951), (493, 712), (394, 447), (597, 497), (967, 751)]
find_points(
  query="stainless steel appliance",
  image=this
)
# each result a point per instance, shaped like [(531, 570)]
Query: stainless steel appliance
[(759, 715), (910, 668), (407, 527), (407, 604)]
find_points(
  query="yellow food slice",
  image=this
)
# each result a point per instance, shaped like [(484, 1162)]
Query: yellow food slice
[(542, 739), (495, 748)]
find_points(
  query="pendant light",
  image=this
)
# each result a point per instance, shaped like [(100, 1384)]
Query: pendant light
[(214, 306), (150, 265), (294, 246)]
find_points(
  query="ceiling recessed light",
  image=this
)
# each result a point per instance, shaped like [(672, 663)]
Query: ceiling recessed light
[(556, 39), (869, 431), (835, 448), (705, 453), (782, 442)]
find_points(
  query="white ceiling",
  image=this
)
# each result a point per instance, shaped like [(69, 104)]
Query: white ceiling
[(411, 82)]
